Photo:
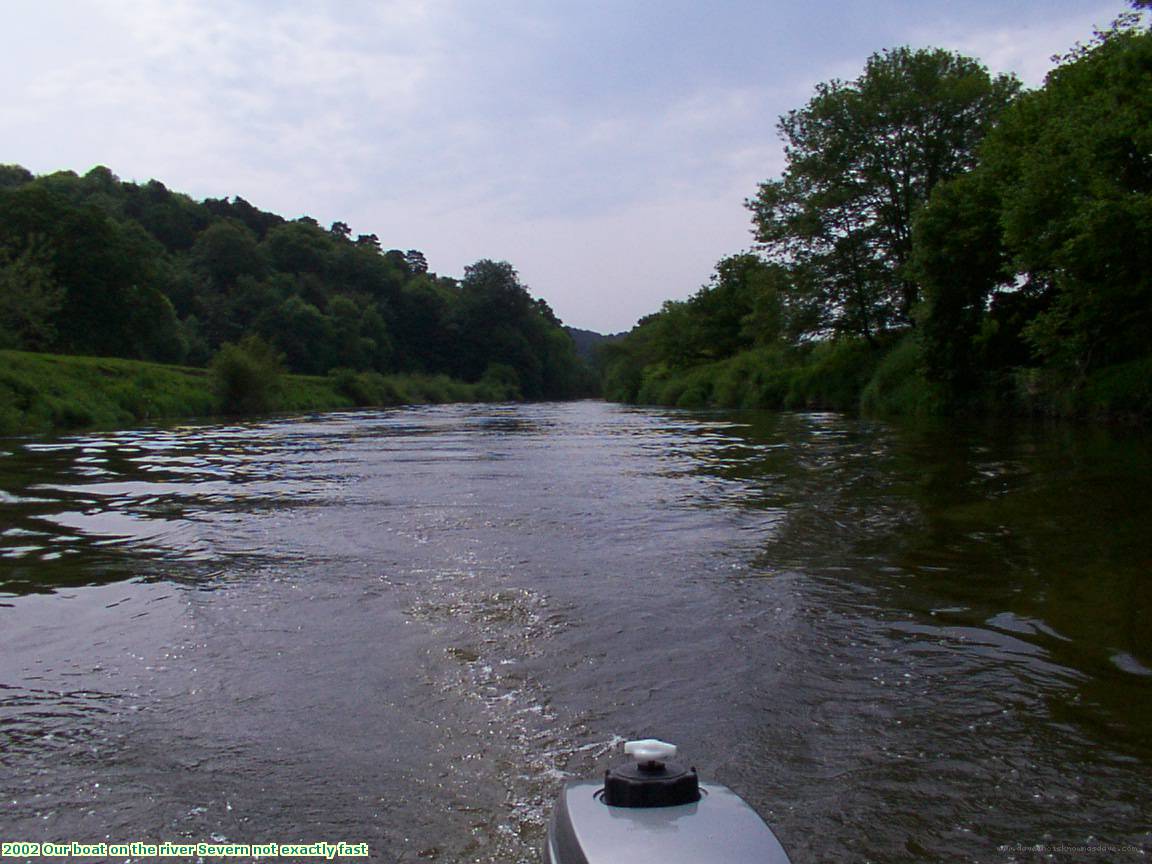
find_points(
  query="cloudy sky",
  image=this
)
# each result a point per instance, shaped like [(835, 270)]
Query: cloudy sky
[(604, 147)]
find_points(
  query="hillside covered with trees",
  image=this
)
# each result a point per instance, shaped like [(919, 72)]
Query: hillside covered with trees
[(941, 240), (92, 265)]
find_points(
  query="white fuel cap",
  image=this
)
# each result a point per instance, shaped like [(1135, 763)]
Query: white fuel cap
[(649, 750)]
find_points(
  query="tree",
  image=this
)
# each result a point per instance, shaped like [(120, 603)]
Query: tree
[(175, 220), (259, 221), (88, 278), (350, 347), (29, 298), (102, 264), (399, 260), (959, 259), (225, 251), (360, 270), (153, 329), (12, 176), (496, 320), (299, 247), (95, 265), (244, 308), (494, 292), (489, 318), (739, 307), (376, 340), (304, 335), (423, 310), (1074, 161), (1041, 255), (862, 158), (416, 261)]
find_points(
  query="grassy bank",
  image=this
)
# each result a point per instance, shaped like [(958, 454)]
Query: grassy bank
[(48, 392), (883, 380)]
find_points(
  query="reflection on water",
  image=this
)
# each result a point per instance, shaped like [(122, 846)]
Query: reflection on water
[(408, 627)]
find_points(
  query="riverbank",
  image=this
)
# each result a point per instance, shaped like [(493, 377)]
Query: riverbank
[(51, 392), (884, 380)]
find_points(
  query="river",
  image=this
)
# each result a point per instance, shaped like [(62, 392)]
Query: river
[(407, 627)]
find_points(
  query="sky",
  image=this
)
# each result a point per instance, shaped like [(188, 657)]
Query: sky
[(603, 147)]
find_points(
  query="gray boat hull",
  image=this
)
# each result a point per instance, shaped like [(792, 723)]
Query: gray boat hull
[(720, 828)]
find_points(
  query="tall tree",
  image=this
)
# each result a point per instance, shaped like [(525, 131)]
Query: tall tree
[(489, 318), (12, 176), (416, 261), (1070, 199), (499, 322), (959, 259), (862, 157), (225, 251)]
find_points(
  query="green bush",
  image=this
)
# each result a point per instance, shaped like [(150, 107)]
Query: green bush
[(768, 384), (435, 389), (899, 386), (501, 383), (696, 388), (651, 389), (1124, 389), (246, 377), (833, 376), (734, 380), (366, 388)]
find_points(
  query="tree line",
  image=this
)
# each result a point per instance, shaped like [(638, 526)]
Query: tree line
[(940, 239), (97, 266)]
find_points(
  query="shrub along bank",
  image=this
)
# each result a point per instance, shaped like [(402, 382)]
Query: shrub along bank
[(877, 380)]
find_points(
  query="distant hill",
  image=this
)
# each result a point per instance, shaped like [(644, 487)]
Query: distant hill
[(587, 341)]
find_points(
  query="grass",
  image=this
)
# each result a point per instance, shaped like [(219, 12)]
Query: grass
[(50, 392)]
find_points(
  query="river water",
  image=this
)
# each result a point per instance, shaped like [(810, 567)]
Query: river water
[(407, 627)]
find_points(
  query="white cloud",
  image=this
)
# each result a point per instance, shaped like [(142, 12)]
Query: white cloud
[(1025, 47)]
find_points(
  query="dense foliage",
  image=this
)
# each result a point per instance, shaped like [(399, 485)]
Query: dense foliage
[(938, 240), (1037, 265), (862, 158), (92, 265)]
